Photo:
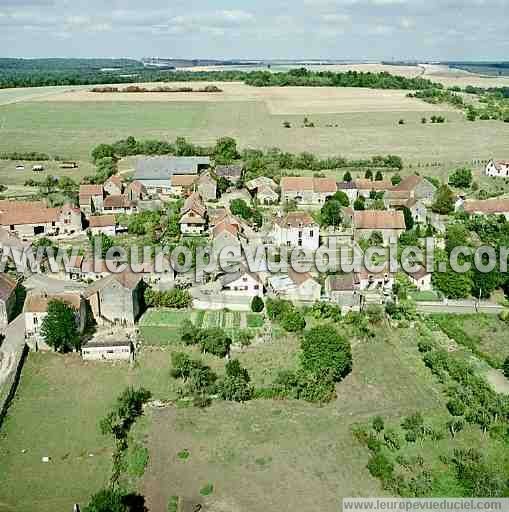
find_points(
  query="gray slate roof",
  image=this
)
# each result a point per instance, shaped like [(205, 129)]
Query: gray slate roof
[(163, 167)]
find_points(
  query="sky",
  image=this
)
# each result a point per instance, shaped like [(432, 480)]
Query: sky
[(265, 29)]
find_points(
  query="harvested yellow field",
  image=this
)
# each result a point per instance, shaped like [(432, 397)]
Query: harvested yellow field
[(279, 100)]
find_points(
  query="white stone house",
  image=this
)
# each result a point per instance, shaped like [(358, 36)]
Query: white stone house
[(242, 283), (421, 279), (103, 224), (194, 216), (499, 169), (35, 311), (297, 229)]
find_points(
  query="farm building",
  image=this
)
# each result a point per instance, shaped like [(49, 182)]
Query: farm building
[(154, 173), (307, 191), (343, 290), (421, 279), (412, 187), (32, 218), (91, 198), (116, 299), (194, 216), (233, 173), (114, 185), (365, 186), (111, 347), (486, 207)]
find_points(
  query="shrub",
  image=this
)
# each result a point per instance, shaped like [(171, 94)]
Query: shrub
[(207, 490), (257, 304), (380, 466), (324, 350), (234, 388), (215, 341), (293, 321)]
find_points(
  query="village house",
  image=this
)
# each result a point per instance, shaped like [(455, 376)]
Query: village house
[(115, 346), (241, 283), (155, 173), (86, 269), (418, 210), (27, 219), (264, 189), (114, 186), (193, 219), (365, 186), (35, 311), (105, 224), (343, 290), (8, 287), (207, 187), (233, 173), (411, 187), (91, 199), (307, 191), (421, 279), (380, 281), (498, 169), (225, 234), (266, 196), (349, 188), (297, 229), (116, 299), (136, 191), (119, 205), (12, 245), (233, 194), (390, 224), (494, 206), (295, 287), (182, 185)]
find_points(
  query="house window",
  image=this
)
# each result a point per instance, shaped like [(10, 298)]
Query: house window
[(12, 227), (300, 243), (311, 233), (256, 287), (300, 234)]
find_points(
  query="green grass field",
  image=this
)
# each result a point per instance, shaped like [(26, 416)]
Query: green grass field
[(162, 327), (259, 456), (72, 129)]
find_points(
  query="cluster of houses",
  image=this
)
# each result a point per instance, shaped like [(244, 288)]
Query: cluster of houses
[(116, 299)]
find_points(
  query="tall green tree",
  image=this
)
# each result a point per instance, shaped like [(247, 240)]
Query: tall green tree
[(59, 329), (225, 150), (444, 201)]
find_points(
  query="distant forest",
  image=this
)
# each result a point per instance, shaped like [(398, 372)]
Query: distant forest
[(482, 68), (52, 72)]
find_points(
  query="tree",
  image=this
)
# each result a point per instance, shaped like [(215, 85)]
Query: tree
[(453, 285), (241, 208), (234, 388), (225, 150), (424, 120), (347, 177), (276, 308), (359, 203), (324, 350), (102, 243), (110, 500), (257, 304), (340, 197), (234, 369), (293, 321), (103, 151), (379, 176), (223, 185), (444, 201), (59, 328), (409, 219), (461, 178), (396, 179), (378, 424), (331, 213), (215, 341), (368, 174)]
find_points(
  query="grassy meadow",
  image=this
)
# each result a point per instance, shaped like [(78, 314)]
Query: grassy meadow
[(258, 456), (72, 129)]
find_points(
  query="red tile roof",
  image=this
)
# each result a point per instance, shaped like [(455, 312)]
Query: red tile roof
[(379, 219)]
